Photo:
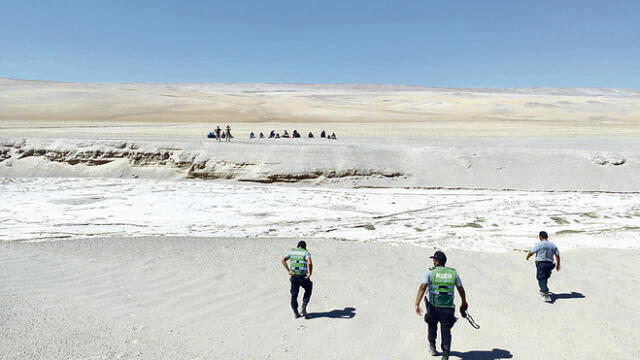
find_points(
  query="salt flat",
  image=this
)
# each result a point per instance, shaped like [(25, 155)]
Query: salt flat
[(54, 208)]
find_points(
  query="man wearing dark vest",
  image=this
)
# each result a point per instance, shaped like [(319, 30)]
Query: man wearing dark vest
[(300, 272), (440, 281)]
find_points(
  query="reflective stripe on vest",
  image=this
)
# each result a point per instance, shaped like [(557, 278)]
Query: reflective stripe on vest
[(298, 261), (441, 288)]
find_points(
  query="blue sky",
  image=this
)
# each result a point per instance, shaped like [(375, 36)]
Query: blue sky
[(431, 43)]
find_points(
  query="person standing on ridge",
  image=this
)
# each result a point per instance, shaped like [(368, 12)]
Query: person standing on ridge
[(228, 133), (544, 250), (440, 282), (218, 133), (300, 270)]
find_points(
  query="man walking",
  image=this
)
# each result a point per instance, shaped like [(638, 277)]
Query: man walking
[(300, 270), (441, 282), (544, 250)]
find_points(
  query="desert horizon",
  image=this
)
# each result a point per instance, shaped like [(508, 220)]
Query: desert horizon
[(418, 111)]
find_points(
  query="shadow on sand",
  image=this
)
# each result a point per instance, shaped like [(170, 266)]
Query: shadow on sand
[(346, 313), (571, 295), (483, 355)]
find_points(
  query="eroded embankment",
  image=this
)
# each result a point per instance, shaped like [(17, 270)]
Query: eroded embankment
[(514, 164), (124, 159)]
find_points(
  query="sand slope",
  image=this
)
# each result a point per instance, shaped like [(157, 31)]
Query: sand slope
[(185, 298)]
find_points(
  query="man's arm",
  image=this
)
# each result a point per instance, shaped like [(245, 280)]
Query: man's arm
[(419, 296), (310, 265), (558, 262), (284, 263), (529, 254), (463, 295)]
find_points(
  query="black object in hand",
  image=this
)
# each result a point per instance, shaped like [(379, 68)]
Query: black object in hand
[(463, 310)]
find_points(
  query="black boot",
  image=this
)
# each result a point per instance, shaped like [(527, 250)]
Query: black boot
[(296, 314), (432, 350), (304, 310), (445, 353)]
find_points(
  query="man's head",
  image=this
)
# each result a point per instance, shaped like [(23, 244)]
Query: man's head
[(302, 244), (543, 235), (439, 258)]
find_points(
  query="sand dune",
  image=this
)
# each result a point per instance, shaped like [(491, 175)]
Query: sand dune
[(437, 111)]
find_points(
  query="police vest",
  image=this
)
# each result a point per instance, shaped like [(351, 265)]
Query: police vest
[(441, 289), (298, 261)]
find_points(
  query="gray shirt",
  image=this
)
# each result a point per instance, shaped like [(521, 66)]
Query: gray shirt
[(545, 250)]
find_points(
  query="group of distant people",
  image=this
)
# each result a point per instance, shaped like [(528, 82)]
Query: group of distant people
[(294, 135), (218, 134)]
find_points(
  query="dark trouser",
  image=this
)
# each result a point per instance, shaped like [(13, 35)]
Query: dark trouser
[(296, 282), (446, 317), (543, 273)]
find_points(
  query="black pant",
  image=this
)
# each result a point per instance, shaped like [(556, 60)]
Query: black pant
[(543, 273), (446, 318), (296, 282)]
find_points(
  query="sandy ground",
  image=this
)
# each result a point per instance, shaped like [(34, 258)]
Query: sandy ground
[(388, 136), (384, 110), (213, 298)]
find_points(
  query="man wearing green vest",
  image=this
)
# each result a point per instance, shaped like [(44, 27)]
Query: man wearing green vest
[(300, 271), (440, 281)]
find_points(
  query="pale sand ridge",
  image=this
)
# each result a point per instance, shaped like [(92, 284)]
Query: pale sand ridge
[(437, 111)]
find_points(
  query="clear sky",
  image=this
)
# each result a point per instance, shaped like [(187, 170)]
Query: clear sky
[(476, 43)]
